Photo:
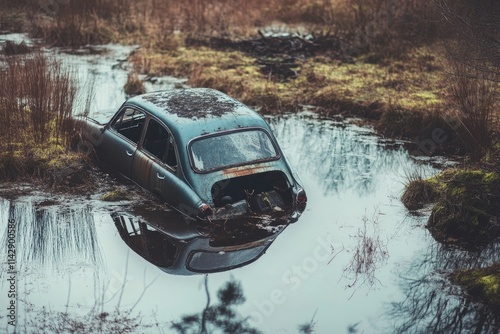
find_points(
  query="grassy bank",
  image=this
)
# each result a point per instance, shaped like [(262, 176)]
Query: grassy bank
[(465, 214), (413, 88)]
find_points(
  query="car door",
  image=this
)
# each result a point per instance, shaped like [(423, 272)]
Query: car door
[(155, 163), (120, 139)]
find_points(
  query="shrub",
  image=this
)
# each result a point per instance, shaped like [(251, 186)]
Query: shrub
[(36, 100), (36, 103), (475, 98)]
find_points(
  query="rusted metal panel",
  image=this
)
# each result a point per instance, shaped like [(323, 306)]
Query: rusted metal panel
[(244, 170)]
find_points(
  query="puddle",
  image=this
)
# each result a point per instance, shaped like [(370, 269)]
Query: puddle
[(80, 263)]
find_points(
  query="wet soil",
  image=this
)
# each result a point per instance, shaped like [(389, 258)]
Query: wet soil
[(279, 56)]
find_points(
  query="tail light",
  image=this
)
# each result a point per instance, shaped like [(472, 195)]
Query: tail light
[(301, 196), (301, 199)]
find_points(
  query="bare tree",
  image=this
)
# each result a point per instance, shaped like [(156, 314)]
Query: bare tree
[(472, 46)]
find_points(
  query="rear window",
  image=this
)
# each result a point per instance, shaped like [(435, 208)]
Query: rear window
[(231, 149)]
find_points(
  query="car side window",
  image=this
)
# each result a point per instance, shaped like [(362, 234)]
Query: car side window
[(129, 124), (160, 143)]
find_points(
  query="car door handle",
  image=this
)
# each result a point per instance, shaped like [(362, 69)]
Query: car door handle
[(129, 153), (160, 176)]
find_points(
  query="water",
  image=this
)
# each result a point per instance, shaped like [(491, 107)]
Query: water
[(355, 262)]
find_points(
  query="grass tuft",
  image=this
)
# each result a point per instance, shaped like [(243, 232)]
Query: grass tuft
[(419, 192), (116, 196)]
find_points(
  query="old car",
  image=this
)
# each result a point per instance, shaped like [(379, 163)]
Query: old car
[(203, 152)]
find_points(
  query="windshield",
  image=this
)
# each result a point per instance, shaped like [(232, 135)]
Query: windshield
[(231, 149)]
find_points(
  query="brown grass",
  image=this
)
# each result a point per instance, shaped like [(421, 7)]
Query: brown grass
[(381, 26), (475, 98), (36, 100), (36, 103), (419, 192)]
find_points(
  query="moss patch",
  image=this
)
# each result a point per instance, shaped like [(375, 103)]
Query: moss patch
[(468, 210), (482, 284), (116, 195)]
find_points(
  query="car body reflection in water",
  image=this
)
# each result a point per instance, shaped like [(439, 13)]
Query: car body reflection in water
[(167, 241)]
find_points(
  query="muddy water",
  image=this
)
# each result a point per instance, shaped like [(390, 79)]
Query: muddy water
[(354, 262)]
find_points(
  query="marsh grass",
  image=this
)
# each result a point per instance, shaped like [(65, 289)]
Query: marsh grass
[(467, 212), (381, 26), (466, 209), (475, 98), (361, 89), (418, 191), (36, 102), (37, 95), (390, 72), (116, 195)]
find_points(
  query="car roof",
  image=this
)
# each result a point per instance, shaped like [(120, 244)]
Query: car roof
[(192, 112)]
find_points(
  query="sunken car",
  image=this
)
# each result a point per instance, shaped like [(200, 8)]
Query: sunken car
[(203, 152)]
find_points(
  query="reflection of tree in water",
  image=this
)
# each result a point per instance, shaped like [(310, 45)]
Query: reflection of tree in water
[(433, 304), (345, 157), (222, 317), (219, 317)]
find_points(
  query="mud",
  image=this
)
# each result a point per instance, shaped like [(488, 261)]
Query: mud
[(279, 55)]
